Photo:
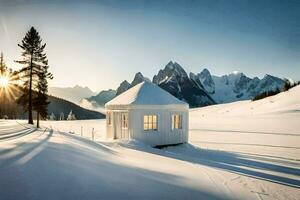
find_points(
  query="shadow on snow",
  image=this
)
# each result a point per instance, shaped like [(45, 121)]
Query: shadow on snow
[(63, 170), (241, 164)]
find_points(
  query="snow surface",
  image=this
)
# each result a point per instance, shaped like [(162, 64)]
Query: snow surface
[(242, 150)]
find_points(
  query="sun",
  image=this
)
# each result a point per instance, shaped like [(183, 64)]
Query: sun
[(4, 81), (8, 85)]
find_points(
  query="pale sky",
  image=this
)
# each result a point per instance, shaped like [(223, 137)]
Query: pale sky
[(101, 43)]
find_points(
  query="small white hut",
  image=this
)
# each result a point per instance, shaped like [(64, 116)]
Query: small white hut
[(148, 114)]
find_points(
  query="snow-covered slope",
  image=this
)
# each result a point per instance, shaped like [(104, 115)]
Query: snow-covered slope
[(73, 94), (236, 86), (240, 150), (284, 102), (268, 127), (243, 150)]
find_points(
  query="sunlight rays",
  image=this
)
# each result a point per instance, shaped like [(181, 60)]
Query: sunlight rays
[(4, 81), (8, 87)]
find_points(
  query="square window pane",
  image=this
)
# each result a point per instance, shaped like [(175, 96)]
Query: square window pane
[(154, 118), (145, 127), (150, 126), (150, 119), (145, 118), (154, 126)]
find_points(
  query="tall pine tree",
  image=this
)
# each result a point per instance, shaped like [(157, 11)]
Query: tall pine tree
[(3, 67), (34, 59), (40, 101)]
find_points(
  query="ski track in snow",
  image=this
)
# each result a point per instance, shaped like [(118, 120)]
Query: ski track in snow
[(232, 154)]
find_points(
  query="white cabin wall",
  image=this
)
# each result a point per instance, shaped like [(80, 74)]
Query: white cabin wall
[(164, 135)]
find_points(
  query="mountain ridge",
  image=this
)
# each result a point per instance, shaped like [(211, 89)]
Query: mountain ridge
[(237, 86), (73, 94), (203, 88)]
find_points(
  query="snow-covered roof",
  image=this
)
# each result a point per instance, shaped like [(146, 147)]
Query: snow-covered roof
[(145, 93)]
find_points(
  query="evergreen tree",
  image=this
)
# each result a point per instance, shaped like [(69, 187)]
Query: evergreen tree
[(34, 59), (41, 99), (8, 89), (3, 67)]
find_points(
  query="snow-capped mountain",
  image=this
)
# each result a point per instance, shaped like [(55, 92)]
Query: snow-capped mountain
[(97, 102), (138, 78), (175, 80), (236, 86), (103, 97), (125, 85), (205, 78), (197, 90), (73, 94)]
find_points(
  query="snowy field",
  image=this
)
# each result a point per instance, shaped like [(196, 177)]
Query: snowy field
[(243, 150)]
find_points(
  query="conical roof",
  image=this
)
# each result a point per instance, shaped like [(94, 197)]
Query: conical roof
[(145, 93)]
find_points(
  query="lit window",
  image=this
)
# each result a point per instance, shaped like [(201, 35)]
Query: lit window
[(176, 121), (150, 122), (108, 115), (124, 117)]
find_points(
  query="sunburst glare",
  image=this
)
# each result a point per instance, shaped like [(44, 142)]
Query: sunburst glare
[(8, 84), (4, 81)]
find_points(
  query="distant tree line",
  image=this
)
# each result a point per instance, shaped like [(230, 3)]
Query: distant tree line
[(287, 85)]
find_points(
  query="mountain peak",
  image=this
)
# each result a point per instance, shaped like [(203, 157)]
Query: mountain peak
[(123, 87), (204, 73), (171, 70), (205, 70), (138, 78), (173, 65), (174, 79), (125, 82), (170, 64), (205, 78), (269, 76)]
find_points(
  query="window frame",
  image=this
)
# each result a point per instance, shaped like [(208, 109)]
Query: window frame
[(124, 121), (176, 120), (152, 125)]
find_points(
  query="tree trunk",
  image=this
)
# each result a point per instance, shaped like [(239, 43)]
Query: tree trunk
[(30, 120), (38, 120)]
